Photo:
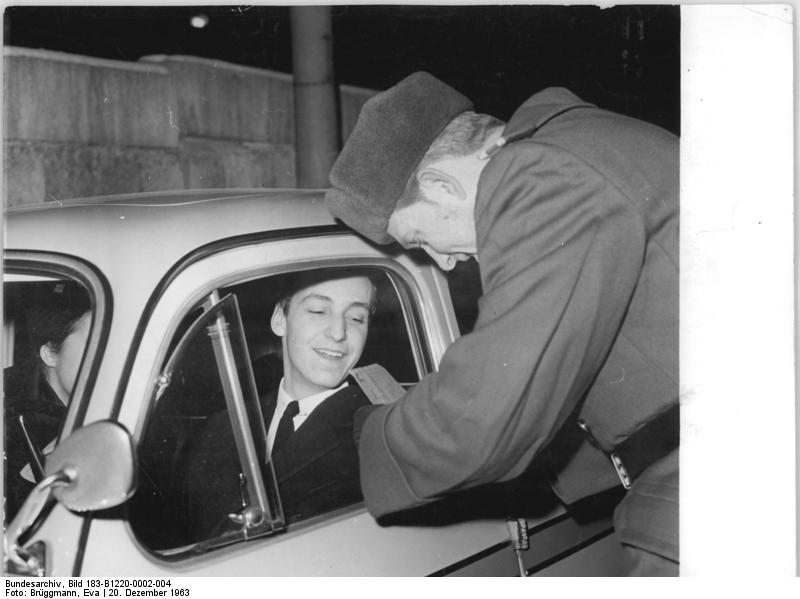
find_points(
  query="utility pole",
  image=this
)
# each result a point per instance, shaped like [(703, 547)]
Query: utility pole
[(315, 107)]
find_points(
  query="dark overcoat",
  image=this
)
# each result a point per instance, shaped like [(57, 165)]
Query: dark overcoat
[(577, 237)]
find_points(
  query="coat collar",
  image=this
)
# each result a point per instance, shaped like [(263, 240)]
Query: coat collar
[(539, 109), (269, 402)]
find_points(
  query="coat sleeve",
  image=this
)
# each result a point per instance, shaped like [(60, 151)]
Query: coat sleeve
[(560, 250)]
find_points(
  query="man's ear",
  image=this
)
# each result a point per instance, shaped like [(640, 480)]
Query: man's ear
[(278, 321), (433, 181), (48, 356)]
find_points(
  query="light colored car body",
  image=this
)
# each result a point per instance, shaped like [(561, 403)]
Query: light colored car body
[(150, 258)]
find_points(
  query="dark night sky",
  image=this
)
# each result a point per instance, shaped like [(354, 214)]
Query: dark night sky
[(625, 58)]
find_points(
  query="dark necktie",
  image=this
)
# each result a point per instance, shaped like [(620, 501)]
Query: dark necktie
[(285, 426)]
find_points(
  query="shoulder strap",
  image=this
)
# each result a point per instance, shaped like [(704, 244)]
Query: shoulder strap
[(378, 385)]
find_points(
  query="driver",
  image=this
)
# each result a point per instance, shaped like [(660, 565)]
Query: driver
[(323, 324)]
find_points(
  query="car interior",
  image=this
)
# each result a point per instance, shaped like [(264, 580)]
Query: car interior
[(194, 393)]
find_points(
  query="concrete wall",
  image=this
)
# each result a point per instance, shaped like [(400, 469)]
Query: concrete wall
[(78, 126)]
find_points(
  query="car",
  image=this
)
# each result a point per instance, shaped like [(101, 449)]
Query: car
[(180, 287)]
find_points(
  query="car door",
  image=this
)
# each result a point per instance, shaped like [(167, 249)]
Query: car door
[(221, 289)]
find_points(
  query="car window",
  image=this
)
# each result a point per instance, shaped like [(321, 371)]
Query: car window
[(465, 290), (196, 486), (46, 325)]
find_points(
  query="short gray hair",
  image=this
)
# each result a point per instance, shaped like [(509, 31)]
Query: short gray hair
[(466, 134)]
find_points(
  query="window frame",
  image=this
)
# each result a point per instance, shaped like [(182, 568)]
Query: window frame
[(424, 325), (50, 264)]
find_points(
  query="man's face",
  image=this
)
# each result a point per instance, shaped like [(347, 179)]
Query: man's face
[(324, 332), (442, 225)]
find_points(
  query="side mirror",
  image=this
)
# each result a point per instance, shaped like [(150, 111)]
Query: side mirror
[(93, 469), (100, 461)]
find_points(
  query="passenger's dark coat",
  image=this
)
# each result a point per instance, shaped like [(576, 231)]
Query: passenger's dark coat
[(316, 470), (577, 238)]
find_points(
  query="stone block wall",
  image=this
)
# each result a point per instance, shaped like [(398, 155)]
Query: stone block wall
[(77, 126)]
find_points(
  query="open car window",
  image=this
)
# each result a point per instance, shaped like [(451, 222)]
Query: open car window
[(207, 477), (47, 320)]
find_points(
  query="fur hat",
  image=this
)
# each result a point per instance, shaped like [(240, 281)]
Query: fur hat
[(394, 130)]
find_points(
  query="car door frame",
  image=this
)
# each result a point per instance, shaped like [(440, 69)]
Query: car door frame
[(60, 554), (385, 551)]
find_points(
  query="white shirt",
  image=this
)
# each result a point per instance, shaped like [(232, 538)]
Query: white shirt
[(307, 405)]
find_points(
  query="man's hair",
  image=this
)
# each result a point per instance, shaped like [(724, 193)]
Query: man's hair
[(54, 315), (304, 279), (466, 134)]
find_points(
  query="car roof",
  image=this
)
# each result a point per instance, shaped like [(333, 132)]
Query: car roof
[(159, 227)]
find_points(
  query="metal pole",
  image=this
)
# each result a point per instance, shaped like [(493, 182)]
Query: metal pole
[(315, 108)]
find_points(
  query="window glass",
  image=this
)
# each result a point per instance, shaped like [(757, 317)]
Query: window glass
[(302, 333), (206, 421), (46, 324)]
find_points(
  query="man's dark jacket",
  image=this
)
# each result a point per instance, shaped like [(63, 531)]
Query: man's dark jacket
[(316, 470), (577, 237)]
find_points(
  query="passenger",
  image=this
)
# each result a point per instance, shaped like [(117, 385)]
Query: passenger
[(58, 330), (323, 324)]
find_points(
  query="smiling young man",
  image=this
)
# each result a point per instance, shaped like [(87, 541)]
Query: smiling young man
[(323, 328), (572, 214), (322, 321)]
